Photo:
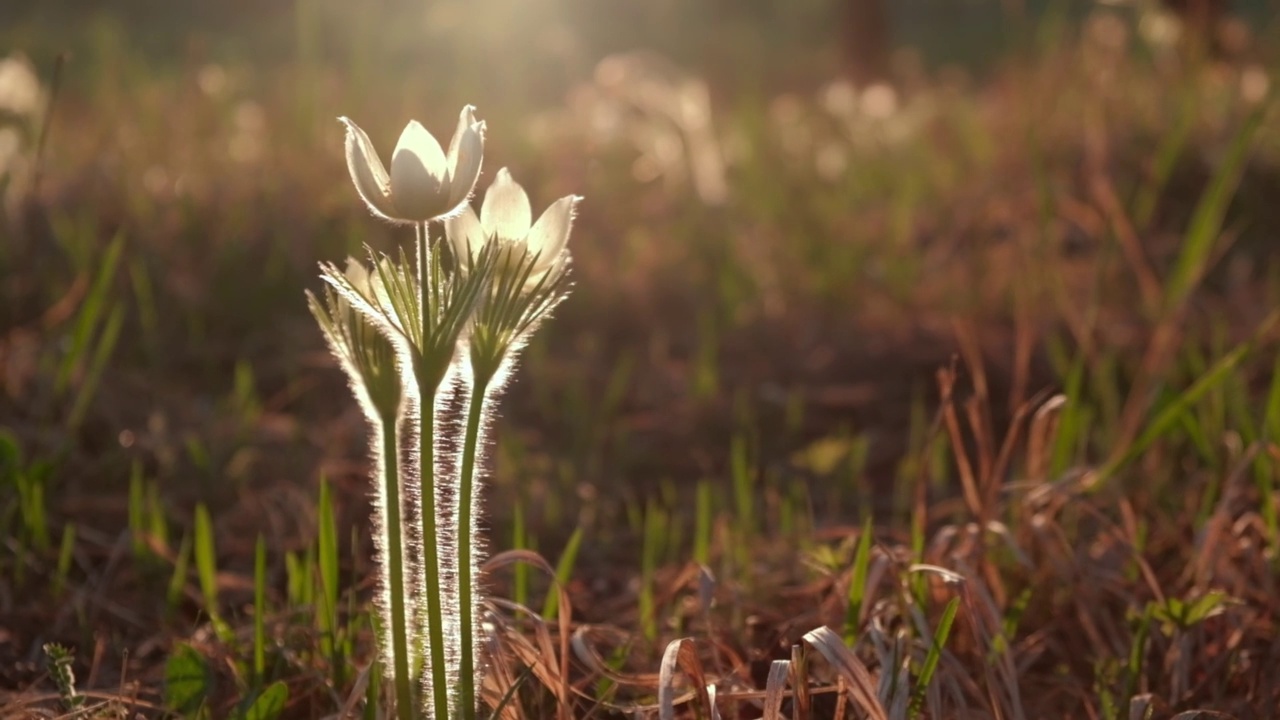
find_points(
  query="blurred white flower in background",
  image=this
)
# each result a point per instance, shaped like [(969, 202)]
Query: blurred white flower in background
[(879, 101), (20, 92), (22, 103), (840, 98), (213, 80), (643, 100), (1254, 84), (1160, 29), (867, 119)]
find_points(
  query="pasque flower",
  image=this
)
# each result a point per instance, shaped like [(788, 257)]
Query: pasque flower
[(425, 183), (411, 334), (506, 218), (524, 266)]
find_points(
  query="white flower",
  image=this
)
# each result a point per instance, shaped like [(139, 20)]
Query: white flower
[(424, 184), (506, 217), (20, 91)]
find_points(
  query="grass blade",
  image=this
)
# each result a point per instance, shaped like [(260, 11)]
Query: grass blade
[(681, 654), (858, 585), (64, 558), (862, 690), (101, 356), (259, 609), (178, 581), (931, 659), (1199, 243), (327, 559), (564, 569), (91, 310), (1173, 412), (779, 671), (207, 571)]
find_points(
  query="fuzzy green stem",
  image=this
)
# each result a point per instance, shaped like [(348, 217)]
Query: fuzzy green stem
[(431, 558), (399, 629), (466, 533), (427, 459)]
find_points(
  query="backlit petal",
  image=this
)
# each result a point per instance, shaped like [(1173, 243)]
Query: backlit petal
[(550, 235), (466, 235), (466, 154), (367, 172), (417, 174), (506, 212)]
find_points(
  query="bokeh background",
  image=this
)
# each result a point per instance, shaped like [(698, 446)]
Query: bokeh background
[(796, 213)]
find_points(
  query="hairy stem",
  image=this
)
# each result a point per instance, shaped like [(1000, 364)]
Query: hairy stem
[(430, 538), (431, 559), (399, 629), (466, 538)]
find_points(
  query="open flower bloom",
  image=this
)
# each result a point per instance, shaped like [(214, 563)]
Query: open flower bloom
[(506, 217), (424, 183)]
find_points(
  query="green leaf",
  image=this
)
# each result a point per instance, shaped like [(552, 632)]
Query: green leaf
[(1183, 614), (187, 681), (825, 455), (1206, 606), (269, 704)]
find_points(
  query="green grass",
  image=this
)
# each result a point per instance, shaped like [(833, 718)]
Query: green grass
[(1082, 519)]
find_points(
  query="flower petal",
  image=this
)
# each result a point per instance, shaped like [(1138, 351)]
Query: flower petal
[(466, 154), (550, 235), (368, 173), (506, 213), (466, 235), (418, 171)]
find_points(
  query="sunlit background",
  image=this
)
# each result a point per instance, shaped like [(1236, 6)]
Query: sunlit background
[(787, 204)]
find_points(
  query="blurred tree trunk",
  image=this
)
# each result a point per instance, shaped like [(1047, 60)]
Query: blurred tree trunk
[(865, 41)]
